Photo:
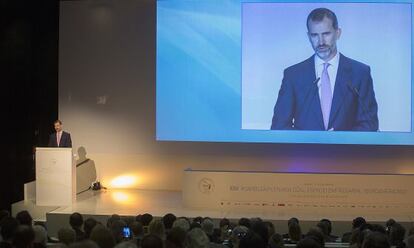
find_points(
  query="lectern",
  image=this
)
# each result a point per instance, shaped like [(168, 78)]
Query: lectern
[(55, 177)]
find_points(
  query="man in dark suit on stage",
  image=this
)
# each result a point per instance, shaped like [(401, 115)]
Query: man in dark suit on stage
[(59, 138), (328, 91)]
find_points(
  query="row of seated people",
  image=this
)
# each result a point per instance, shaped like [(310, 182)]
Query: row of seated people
[(144, 231)]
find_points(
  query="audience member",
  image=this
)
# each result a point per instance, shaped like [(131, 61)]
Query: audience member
[(8, 229), (168, 221), (356, 223), (40, 236), (24, 237), (316, 234), (236, 235), (196, 238), (156, 227), (252, 240), (276, 241), (182, 223), (146, 219), (176, 238), (137, 231), (294, 233), (327, 230), (66, 235), (76, 222), (102, 237), (396, 235), (88, 225), (290, 221), (117, 230), (24, 218), (376, 240), (151, 241), (244, 222)]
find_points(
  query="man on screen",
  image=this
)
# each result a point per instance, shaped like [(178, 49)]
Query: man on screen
[(328, 91), (60, 138)]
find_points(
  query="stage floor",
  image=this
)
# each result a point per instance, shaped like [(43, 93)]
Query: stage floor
[(130, 202)]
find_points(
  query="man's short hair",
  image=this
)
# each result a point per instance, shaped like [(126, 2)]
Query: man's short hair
[(24, 218), (318, 14), (58, 121), (76, 220)]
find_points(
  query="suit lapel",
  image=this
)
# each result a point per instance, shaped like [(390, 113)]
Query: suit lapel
[(343, 76)]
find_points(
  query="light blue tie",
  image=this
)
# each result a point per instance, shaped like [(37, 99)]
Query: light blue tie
[(326, 95)]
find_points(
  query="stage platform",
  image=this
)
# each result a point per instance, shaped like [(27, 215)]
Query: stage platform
[(130, 202)]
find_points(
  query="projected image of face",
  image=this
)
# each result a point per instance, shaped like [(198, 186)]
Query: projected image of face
[(323, 36)]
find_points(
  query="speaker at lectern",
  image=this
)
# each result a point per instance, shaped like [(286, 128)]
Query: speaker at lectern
[(55, 177)]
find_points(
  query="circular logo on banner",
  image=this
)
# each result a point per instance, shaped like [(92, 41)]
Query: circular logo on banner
[(206, 185)]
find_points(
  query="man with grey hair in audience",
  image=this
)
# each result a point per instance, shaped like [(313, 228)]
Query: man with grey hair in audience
[(197, 238), (182, 223)]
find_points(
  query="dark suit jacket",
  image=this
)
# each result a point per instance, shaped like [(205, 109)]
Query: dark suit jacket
[(353, 104), (65, 140)]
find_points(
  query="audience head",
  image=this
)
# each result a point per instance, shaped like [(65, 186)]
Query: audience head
[(357, 222), (397, 234), (3, 214), (76, 220), (237, 234), (195, 225), (252, 240), (88, 225), (316, 234), (24, 237), (151, 241), (137, 229), (168, 220), (224, 223), (176, 236), (376, 240), (8, 228), (244, 222), (196, 238), (293, 220), (117, 228), (102, 237), (111, 219), (66, 235), (156, 227), (390, 222), (198, 219), (295, 232), (270, 228), (276, 241), (40, 235), (182, 223), (260, 228), (327, 226), (146, 219), (24, 218), (208, 226)]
